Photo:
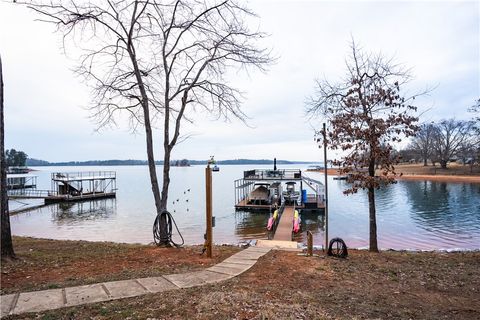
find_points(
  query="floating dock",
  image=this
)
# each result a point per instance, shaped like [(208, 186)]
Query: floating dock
[(263, 189), (21, 181), (284, 194), (72, 186)]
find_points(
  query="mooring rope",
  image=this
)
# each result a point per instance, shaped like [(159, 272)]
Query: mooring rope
[(167, 234)]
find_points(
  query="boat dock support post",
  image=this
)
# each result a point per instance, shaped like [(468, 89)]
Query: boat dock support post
[(326, 183), (309, 243), (208, 184)]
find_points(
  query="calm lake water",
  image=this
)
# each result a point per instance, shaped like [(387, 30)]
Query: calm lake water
[(410, 214)]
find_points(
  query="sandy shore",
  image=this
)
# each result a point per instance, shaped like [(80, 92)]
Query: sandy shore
[(422, 177), (443, 178)]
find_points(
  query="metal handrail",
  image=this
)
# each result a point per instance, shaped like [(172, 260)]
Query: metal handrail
[(83, 174), (268, 174), (31, 193)]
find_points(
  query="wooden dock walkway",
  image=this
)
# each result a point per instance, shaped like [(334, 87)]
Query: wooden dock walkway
[(285, 225)]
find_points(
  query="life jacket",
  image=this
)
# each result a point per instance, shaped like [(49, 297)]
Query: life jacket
[(275, 214), (270, 223)]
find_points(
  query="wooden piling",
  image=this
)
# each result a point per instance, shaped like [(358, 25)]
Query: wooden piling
[(309, 243), (208, 185)]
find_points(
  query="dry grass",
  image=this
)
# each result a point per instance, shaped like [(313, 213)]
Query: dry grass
[(47, 264), (284, 285), (452, 169)]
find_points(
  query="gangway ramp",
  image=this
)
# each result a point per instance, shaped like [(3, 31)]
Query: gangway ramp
[(285, 225)]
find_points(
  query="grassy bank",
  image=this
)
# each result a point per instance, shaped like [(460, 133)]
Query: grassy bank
[(453, 169), (282, 285), (454, 172), (47, 264)]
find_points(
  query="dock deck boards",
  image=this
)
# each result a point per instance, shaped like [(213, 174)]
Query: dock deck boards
[(284, 228)]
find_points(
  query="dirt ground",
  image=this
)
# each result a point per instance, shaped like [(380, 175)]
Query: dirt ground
[(47, 264), (285, 285)]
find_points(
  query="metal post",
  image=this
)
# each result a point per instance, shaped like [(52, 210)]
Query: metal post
[(326, 183), (208, 183)]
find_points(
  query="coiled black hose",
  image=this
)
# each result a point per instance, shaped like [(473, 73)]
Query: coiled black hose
[(337, 248), (165, 237)]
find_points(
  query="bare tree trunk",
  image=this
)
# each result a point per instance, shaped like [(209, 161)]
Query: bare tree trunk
[(151, 161), (425, 162), (6, 238), (160, 202), (148, 129), (166, 176), (443, 164), (164, 198), (372, 210), (373, 220)]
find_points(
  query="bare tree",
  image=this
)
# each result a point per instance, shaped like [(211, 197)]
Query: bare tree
[(423, 141), (159, 60), (450, 137), (408, 155), (6, 234), (475, 109), (366, 115)]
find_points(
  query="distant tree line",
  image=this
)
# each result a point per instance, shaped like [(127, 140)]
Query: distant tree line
[(180, 163), (39, 163), (14, 158), (445, 141)]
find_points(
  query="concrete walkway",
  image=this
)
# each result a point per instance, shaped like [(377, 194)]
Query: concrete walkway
[(73, 296)]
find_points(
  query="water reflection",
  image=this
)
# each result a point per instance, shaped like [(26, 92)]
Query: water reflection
[(75, 212), (441, 207), (251, 225), (313, 222), (410, 214)]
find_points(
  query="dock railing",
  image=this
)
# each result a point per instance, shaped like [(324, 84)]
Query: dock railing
[(242, 189), (318, 188), (267, 174), (31, 193), (86, 175)]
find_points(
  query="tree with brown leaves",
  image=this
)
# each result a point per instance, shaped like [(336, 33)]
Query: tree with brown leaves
[(159, 61), (366, 114)]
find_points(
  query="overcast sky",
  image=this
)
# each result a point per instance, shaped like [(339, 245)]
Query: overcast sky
[(45, 104)]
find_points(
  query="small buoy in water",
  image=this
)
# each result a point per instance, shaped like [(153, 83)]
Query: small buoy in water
[(188, 190), (187, 200), (178, 200)]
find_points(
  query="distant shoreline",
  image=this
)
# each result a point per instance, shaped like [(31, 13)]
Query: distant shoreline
[(42, 163), (441, 178), (420, 175)]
